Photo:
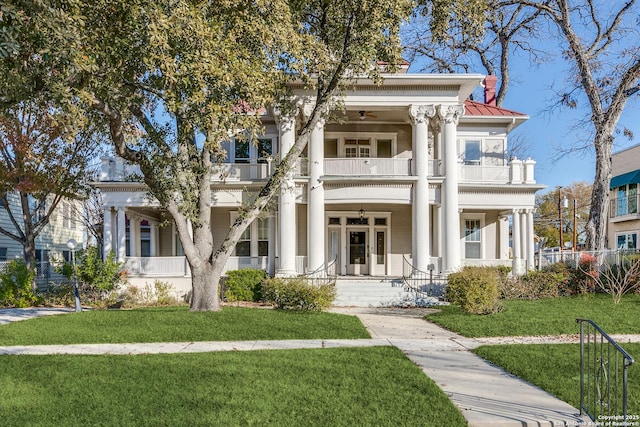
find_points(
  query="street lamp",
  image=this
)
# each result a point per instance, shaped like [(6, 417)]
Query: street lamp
[(72, 244)]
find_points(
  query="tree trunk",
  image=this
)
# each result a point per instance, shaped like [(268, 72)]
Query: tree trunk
[(596, 227), (204, 288)]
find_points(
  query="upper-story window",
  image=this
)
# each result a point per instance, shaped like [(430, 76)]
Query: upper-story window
[(627, 199), (252, 152), (359, 145), (471, 154)]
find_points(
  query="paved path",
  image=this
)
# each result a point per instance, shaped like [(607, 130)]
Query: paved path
[(485, 394)]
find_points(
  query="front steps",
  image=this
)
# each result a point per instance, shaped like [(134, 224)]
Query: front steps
[(369, 291)]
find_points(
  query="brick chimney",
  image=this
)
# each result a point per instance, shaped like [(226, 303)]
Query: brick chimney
[(489, 84)]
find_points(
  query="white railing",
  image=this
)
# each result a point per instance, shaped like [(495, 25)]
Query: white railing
[(367, 166), (239, 262), (492, 174), (157, 266), (241, 171), (468, 262)]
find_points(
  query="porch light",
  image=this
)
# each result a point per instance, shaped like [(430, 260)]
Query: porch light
[(361, 211)]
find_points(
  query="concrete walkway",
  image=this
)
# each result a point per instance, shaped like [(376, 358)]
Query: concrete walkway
[(485, 394)]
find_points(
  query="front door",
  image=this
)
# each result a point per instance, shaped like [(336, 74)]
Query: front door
[(358, 254)]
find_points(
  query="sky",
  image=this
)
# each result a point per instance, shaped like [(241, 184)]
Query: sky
[(531, 92)]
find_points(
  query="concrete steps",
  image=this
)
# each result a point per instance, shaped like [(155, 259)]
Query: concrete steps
[(372, 292)]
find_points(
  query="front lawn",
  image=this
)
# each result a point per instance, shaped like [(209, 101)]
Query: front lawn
[(556, 368), (553, 316), (177, 324), (375, 386)]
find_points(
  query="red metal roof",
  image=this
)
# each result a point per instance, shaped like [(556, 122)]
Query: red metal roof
[(474, 108)]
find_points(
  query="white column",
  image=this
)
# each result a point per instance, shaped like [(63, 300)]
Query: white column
[(287, 204), (451, 256), (134, 236), (107, 233), (516, 245), (503, 221), (523, 237), (271, 256), (122, 235), (420, 120), (153, 239), (529, 241), (315, 200)]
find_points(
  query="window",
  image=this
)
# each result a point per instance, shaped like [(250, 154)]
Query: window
[(265, 149), (331, 148), (472, 152), (263, 237), (472, 239), (66, 256), (627, 200), (242, 151), (38, 209), (68, 220), (385, 148), (243, 247), (627, 241), (3, 254), (357, 148)]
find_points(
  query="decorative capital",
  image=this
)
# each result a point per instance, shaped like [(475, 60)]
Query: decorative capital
[(451, 113), (421, 113)]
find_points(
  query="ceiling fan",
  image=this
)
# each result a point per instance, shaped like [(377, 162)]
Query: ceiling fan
[(363, 115)]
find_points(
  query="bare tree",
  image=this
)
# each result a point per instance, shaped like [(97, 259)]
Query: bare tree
[(616, 279), (602, 43), (508, 30)]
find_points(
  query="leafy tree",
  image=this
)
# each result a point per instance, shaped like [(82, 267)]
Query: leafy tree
[(174, 80), (43, 159), (546, 223)]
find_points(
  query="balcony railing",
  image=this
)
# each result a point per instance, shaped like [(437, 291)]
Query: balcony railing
[(623, 206), (517, 172), (241, 171), (490, 174), (367, 166)]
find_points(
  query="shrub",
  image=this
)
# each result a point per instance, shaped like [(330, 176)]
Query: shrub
[(15, 285), (540, 284), (297, 294), (565, 275), (475, 290), (244, 284)]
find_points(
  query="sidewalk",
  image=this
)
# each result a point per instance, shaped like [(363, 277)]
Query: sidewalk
[(485, 394)]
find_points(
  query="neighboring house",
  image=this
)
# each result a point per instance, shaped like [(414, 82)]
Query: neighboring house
[(624, 219), (51, 244), (414, 175)]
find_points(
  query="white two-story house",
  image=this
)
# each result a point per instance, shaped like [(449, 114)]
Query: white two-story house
[(413, 173)]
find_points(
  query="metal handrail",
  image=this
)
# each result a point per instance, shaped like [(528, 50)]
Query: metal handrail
[(596, 394), (417, 279)]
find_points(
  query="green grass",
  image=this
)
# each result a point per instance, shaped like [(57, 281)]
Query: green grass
[(323, 387), (177, 324), (556, 368), (544, 317)]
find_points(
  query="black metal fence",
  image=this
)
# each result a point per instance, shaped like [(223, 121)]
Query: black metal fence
[(603, 374)]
